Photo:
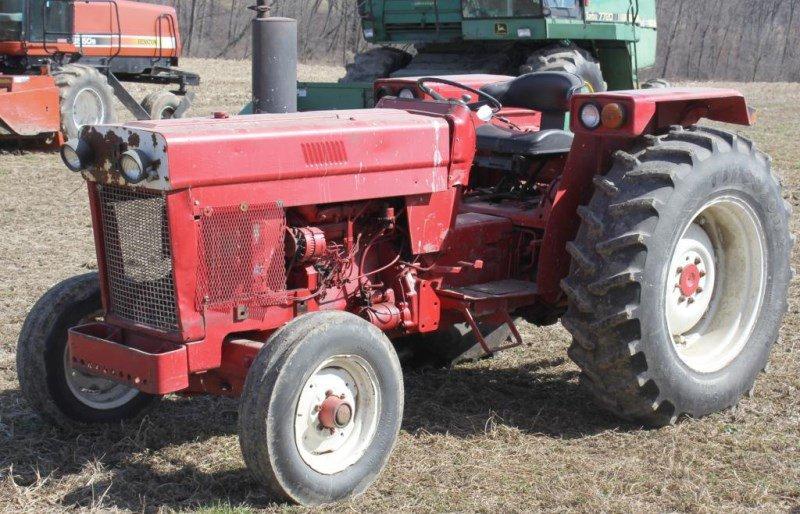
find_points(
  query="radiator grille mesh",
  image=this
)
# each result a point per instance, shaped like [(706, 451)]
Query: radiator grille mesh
[(241, 257), (138, 257)]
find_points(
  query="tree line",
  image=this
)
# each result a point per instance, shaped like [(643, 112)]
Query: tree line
[(742, 40)]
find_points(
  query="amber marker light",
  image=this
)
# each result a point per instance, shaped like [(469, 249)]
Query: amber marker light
[(613, 116)]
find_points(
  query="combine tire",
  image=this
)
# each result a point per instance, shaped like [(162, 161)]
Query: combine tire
[(161, 105), (86, 98), (375, 64), (679, 276), (62, 395), (655, 84), (321, 408), (567, 58)]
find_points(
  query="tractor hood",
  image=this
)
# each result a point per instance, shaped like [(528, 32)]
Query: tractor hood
[(191, 153)]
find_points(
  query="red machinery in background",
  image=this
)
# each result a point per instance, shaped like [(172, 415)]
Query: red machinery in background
[(62, 62)]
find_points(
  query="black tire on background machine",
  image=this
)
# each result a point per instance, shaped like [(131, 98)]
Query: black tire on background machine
[(569, 58), (375, 63), (161, 105), (620, 339), (71, 79)]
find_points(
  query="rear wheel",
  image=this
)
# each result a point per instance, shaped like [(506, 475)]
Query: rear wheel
[(161, 105), (680, 276), (569, 58), (59, 393), (86, 98), (321, 408)]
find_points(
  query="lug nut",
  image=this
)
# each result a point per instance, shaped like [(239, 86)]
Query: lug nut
[(697, 260), (679, 270), (699, 290), (690, 301), (681, 299)]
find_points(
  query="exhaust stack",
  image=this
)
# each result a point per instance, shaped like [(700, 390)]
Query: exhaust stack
[(274, 62)]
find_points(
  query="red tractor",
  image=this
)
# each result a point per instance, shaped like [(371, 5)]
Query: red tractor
[(276, 258), (62, 62)]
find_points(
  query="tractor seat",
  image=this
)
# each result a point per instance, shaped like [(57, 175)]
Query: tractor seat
[(507, 141), (548, 92)]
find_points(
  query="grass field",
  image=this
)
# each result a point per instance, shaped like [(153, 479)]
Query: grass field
[(510, 434)]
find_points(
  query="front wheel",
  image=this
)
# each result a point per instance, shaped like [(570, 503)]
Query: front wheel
[(321, 408), (680, 276), (61, 394)]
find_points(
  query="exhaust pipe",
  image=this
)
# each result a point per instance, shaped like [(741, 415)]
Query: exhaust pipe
[(274, 62)]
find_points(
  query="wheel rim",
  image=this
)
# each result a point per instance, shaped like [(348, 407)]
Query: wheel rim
[(716, 284), (92, 391), (167, 113), (88, 108), (337, 414)]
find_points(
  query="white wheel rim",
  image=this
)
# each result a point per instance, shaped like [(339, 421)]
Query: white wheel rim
[(352, 381), (88, 108), (92, 391), (716, 284)]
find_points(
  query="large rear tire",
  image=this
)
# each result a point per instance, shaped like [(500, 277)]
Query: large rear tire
[(86, 98), (321, 408), (569, 58), (66, 397), (679, 276)]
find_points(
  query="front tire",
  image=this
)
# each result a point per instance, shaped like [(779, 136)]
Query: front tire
[(321, 408), (66, 397), (680, 276)]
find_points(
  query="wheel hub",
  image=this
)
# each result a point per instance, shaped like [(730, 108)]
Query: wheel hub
[(689, 281), (335, 412)]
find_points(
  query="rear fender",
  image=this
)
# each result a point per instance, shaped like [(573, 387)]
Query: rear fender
[(648, 111)]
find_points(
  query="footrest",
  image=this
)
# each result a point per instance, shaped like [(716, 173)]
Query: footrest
[(99, 349), (501, 289)]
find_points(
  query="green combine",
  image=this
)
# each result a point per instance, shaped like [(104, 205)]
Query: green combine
[(607, 42)]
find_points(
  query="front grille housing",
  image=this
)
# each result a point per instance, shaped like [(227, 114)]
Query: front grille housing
[(138, 257)]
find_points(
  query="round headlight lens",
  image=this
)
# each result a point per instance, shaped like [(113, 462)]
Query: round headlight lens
[(76, 155), (590, 116), (407, 93), (133, 166)]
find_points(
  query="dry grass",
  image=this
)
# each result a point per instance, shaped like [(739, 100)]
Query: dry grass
[(510, 434)]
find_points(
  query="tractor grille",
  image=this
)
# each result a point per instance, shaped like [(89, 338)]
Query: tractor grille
[(138, 257)]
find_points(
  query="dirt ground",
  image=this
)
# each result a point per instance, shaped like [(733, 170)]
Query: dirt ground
[(511, 434)]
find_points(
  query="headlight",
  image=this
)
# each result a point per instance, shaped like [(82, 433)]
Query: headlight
[(407, 93), (76, 154), (590, 116), (133, 165), (613, 116)]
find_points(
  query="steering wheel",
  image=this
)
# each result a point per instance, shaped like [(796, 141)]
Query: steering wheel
[(489, 100)]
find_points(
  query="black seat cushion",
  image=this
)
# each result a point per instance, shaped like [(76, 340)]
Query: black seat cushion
[(507, 141), (545, 91)]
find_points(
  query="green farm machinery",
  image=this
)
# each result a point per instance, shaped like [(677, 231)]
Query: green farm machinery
[(606, 42)]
